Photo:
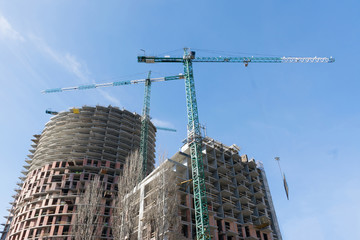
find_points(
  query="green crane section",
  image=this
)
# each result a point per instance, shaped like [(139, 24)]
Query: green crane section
[(145, 118), (195, 143), (193, 127)]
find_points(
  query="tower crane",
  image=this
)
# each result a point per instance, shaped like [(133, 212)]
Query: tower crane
[(194, 139), (145, 118)]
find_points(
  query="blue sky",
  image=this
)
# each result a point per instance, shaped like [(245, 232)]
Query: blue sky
[(308, 114)]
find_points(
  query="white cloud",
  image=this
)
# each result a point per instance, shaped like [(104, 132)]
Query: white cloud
[(7, 31), (161, 123), (67, 60), (73, 65)]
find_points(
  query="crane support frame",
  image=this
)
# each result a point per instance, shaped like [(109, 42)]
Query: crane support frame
[(145, 118), (195, 144)]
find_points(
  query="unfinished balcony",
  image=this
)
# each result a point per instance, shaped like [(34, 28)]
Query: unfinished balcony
[(223, 169), (225, 178), (258, 193), (242, 187), (227, 204), (262, 222), (225, 192), (244, 199), (245, 210), (239, 176), (254, 173), (260, 205), (255, 182)]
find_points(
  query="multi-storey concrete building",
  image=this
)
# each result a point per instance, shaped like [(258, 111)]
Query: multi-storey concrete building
[(239, 200), (74, 147)]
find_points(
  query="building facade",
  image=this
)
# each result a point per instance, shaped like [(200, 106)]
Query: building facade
[(239, 199), (74, 147)]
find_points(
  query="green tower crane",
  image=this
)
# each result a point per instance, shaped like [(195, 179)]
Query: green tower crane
[(145, 118), (194, 139)]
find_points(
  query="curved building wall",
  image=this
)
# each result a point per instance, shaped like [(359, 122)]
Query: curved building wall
[(70, 152)]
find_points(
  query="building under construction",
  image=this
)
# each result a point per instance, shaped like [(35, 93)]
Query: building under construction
[(74, 147), (239, 199), (80, 144)]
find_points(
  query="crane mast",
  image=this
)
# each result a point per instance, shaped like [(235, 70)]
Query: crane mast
[(195, 144), (145, 118), (194, 139)]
